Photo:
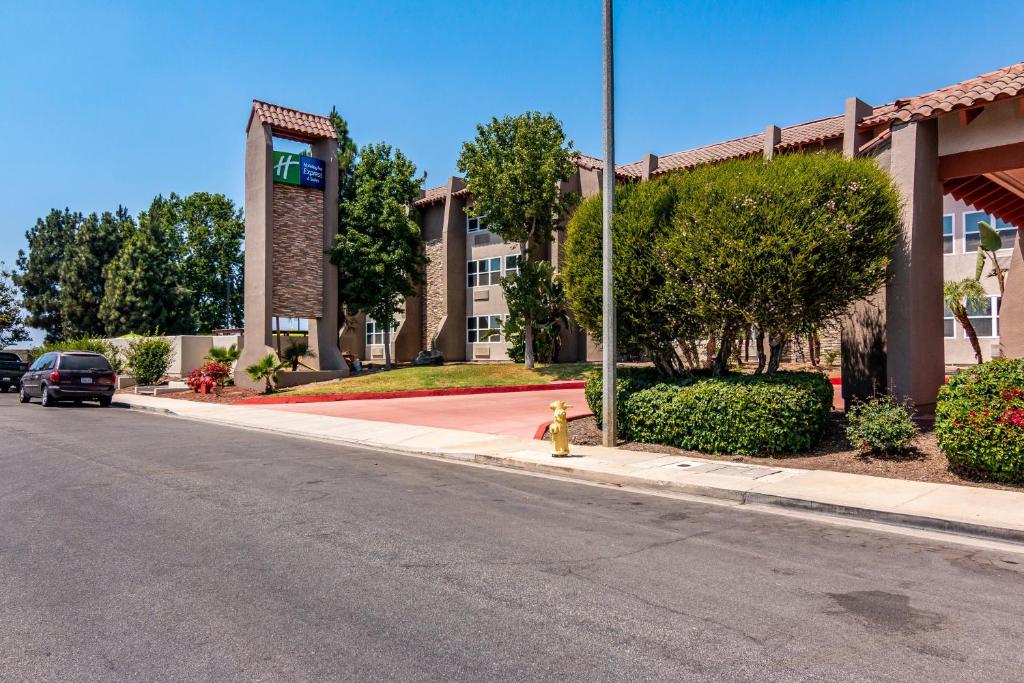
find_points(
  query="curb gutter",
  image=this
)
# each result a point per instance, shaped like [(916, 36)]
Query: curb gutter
[(563, 469)]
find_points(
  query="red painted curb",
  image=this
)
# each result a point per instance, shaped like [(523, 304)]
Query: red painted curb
[(543, 426), (414, 393)]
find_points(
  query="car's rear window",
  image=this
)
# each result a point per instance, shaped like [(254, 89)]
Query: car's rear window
[(83, 362), (10, 356)]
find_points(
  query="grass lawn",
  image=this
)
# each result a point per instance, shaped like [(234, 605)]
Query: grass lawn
[(457, 375)]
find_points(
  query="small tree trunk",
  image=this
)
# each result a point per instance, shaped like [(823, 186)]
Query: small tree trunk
[(968, 326), (721, 363), (762, 359), (528, 356), (387, 347), (711, 350), (775, 347)]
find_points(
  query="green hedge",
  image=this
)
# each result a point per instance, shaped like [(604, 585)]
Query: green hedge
[(785, 412), (979, 421)]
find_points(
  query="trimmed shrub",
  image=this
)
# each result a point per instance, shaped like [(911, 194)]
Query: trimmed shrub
[(147, 359), (628, 381), (881, 425), (102, 346), (979, 421), (786, 412)]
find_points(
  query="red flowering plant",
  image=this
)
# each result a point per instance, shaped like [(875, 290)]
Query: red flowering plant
[(979, 420), (209, 377)]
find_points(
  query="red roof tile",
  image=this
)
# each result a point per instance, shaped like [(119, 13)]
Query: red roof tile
[(291, 123), (432, 195), (811, 132), (730, 149), (996, 85)]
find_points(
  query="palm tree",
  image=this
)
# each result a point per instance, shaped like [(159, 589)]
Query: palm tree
[(961, 295), (226, 355), (265, 369), (294, 354)]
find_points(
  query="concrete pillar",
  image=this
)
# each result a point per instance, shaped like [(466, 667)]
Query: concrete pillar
[(1011, 311), (913, 306), (323, 333), (772, 137), (648, 166), (258, 246), (856, 111)]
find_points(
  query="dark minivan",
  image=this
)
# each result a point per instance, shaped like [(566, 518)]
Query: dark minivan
[(69, 376), (11, 370)]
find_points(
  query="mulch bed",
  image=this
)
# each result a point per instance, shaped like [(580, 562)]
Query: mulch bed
[(835, 453), (224, 395)]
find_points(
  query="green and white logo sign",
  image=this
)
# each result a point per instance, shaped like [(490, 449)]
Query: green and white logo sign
[(295, 169)]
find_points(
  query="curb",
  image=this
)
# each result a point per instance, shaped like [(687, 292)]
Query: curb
[(564, 470), (542, 428), (414, 393)]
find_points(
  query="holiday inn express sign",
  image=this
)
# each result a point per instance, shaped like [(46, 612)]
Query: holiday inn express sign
[(290, 168)]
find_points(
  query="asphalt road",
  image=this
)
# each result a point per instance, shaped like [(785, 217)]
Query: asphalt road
[(144, 547)]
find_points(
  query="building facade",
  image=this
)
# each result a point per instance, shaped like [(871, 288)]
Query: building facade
[(956, 154)]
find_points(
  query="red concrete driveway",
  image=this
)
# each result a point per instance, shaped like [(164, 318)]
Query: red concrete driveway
[(514, 414)]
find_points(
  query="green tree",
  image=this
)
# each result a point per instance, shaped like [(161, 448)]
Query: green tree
[(12, 320), (265, 369), (96, 243), (514, 168), (38, 270), (379, 251), (540, 289), (347, 151), (962, 296), (142, 292), (210, 231), (988, 250)]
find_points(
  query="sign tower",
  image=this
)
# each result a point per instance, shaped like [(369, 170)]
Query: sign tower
[(291, 219)]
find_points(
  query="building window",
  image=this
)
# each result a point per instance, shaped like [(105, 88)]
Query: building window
[(474, 224), (972, 234), (375, 332), (512, 264), (947, 234), (483, 328), (484, 272), (949, 323), (985, 318)]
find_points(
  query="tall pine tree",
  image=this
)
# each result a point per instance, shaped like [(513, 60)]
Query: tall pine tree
[(142, 291), (97, 242), (38, 271)]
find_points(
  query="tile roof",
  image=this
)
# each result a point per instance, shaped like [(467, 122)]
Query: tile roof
[(995, 85), (432, 195), (812, 132), (720, 151), (292, 122)]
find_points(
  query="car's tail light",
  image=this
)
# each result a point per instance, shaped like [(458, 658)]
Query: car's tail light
[(55, 377), (108, 379)]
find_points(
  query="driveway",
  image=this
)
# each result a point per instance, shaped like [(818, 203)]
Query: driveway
[(513, 413)]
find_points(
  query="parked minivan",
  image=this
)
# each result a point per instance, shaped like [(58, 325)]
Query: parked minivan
[(69, 376)]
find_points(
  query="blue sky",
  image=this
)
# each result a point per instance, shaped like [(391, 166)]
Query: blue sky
[(112, 103)]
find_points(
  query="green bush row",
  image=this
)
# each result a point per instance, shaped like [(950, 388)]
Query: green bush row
[(979, 420), (786, 412)]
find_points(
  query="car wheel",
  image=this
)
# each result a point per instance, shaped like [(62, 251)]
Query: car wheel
[(3, 388), (105, 401), (45, 399), (23, 395)]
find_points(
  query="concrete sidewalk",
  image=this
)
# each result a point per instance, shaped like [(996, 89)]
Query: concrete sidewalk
[(979, 512)]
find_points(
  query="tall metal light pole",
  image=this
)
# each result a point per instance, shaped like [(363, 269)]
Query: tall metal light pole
[(608, 431)]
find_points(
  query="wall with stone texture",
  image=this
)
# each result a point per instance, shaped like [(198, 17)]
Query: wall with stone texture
[(298, 252)]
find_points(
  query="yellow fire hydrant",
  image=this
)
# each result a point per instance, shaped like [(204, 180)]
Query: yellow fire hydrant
[(559, 430)]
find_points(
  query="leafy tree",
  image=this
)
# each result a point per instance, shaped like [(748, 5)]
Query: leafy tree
[(960, 297), (550, 312), (781, 247), (147, 359), (142, 291), (379, 250), (38, 270), (651, 315), (210, 231), (514, 168), (95, 244), (12, 320)]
